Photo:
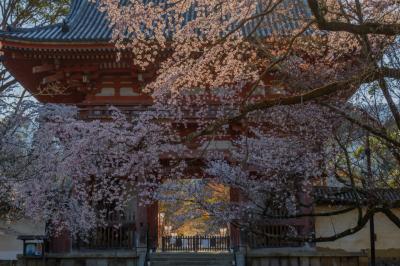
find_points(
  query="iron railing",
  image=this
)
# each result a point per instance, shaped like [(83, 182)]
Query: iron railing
[(195, 243)]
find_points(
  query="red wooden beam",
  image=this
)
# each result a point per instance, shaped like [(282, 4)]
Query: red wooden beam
[(43, 68), (56, 77)]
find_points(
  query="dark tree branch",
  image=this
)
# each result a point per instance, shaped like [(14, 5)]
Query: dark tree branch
[(360, 29), (377, 132), (392, 217)]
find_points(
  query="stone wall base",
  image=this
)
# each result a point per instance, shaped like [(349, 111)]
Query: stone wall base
[(82, 259), (8, 262), (299, 258)]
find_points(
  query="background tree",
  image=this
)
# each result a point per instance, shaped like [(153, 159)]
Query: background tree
[(17, 108)]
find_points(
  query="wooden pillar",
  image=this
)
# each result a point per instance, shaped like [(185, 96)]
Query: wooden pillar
[(152, 221), (307, 223), (235, 240), (141, 226), (61, 243)]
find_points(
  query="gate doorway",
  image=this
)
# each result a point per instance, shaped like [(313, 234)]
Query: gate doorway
[(184, 226)]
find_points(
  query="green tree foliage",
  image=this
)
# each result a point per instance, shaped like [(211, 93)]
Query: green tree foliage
[(22, 13)]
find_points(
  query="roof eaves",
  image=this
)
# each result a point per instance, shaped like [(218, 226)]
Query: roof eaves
[(22, 44)]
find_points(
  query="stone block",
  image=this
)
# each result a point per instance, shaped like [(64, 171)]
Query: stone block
[(363, 261), (336, 261), (97, 262), (264, 262), (131, 262), (117, 262), (51, 262), (327, 261), (8, 262), (274, 262), (21, 262), (66, 262), (294, 262), (315, 262), (284, 262), (34, 262), (240, 259), (304, 261)]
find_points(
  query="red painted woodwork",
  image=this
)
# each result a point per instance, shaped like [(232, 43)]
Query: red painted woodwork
[(308, 223), (152, 223), (43, 68), (57, 46), (61, 243), (234, 231), (141, 226)]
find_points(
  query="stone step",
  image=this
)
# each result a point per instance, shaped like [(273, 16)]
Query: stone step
[(189, 263), (191, 259)]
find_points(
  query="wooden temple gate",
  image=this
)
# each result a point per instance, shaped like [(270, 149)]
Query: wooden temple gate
[(77, 56)]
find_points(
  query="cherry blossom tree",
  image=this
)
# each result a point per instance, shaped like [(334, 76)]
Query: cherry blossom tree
[(245, 63), (83, 170), (287, 82)]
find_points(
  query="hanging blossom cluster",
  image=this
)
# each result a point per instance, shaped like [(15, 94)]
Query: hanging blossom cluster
[(202, 51), (84, 172), (272, 168), (211, 50)]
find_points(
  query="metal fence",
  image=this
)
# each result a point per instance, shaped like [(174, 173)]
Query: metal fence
[(195, 243)]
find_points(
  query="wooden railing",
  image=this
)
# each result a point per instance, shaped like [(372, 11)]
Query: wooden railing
[(118, 233), (274, 236), (195, 243)]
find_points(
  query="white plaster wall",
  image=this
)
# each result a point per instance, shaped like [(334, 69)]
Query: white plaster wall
[(388, 234), (10, 246)]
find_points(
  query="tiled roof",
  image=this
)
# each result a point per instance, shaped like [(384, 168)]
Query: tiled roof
[(86, 23), (336, 195)]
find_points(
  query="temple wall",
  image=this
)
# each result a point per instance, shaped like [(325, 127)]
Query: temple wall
[(387, 234), (299, 257), (10, 246), (102, 258)]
